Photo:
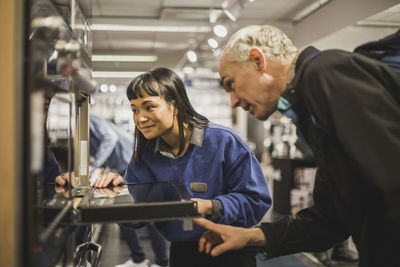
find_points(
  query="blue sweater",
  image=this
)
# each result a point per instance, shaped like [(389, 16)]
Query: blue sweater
[(225, 164)]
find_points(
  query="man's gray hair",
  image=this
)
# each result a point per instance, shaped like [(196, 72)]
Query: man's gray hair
[(275, 44)]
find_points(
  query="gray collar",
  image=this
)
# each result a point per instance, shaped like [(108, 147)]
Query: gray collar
[(195, 139)]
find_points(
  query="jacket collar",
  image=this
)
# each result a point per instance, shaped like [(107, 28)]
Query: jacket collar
[(290, 91)]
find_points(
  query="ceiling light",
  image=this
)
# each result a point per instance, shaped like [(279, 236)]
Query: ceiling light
[(104, 88), (370, 23), (188, 70), (214, 15), (213, 43), (112, 88), (191, 55), (132, 28), (233, 12), (116, 74), (124, 58), (225, 4), (220, 30), (229, 15)]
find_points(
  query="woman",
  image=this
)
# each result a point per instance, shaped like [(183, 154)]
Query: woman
[(174, 142)]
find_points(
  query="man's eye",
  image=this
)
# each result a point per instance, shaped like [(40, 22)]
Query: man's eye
[(228, 86)]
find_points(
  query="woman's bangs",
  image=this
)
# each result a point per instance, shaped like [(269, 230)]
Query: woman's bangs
[(140, 85)]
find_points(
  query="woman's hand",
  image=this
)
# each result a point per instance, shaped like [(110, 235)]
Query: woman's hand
[(110, 192), (204, 206), (106, 178), (63, 178)]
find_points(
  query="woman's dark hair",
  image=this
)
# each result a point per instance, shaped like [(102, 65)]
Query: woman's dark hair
[(165, 83)]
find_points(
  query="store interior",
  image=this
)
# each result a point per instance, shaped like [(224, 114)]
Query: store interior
[(75, 58)]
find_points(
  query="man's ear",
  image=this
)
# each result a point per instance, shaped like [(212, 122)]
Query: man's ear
[(258, 58)]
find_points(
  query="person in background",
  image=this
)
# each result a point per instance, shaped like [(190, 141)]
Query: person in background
[(345, 110), (112, 148), (175, 142)]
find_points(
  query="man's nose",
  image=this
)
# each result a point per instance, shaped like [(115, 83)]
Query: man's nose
[(235, 101)]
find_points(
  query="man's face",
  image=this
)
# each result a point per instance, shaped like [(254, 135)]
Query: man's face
[(250, 88)]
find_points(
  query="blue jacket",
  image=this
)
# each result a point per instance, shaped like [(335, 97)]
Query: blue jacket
[(225, 164)]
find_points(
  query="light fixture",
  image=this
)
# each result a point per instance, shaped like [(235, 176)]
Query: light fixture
[(132, 28), (212, 42), (368, 23), (112, 88), (214, 15), (104, 88), (225, 4), (220, 30), (229, 15), (191, 55), (188, 70), (125, 58), (115, 74)]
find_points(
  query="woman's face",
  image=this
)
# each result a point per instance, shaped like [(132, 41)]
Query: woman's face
[(153, 116)]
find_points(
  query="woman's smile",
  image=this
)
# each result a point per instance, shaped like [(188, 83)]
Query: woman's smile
[(146, 128)]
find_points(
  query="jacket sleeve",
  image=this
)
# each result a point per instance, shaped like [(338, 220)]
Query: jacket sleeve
[(355, 95), (312, 229), (130, 176), (247, 198)]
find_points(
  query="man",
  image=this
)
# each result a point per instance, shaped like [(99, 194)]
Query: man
[(344, 108)]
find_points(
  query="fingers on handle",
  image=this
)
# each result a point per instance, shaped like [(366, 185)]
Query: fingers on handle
[(118, 180), (72, 178), (60, 180), (96, 183)]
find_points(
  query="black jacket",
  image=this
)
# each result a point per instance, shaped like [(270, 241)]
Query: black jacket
[(356, 143)]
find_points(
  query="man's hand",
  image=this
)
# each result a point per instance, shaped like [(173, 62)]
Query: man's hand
[(204, 206), (106, 178), (221, 238), (63, 178)]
